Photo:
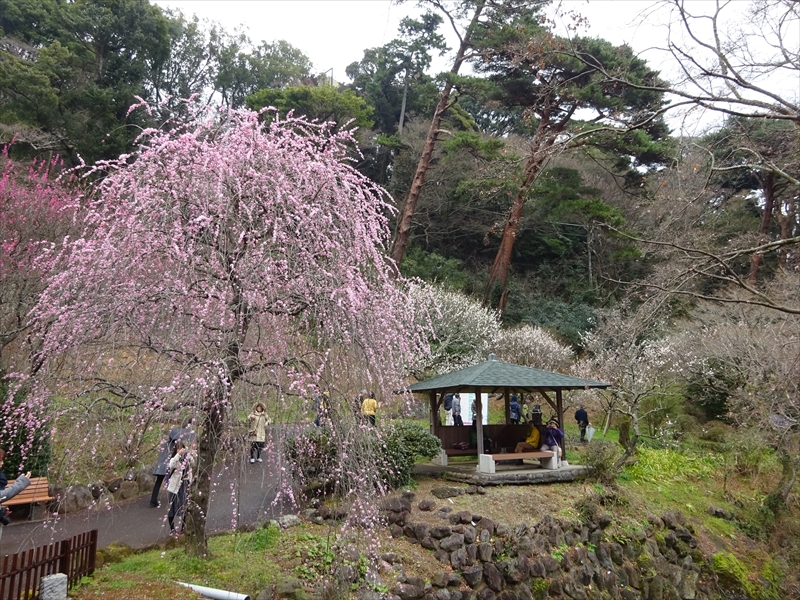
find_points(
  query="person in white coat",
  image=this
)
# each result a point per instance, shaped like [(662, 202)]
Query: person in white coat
[(180, 478)]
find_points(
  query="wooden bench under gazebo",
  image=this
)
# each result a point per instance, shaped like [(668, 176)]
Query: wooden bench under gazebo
[(497, 377)]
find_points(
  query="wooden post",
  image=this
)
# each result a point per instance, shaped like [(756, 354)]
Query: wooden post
[(507, 399), (479, 413), (434, 416)]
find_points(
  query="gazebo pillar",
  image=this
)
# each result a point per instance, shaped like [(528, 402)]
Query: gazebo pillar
[(507, 402), (434, 414), (479, 413)]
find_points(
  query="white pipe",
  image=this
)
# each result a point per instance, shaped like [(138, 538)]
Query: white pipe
[(214, 594)]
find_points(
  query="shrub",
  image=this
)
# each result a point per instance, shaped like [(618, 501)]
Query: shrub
[(404, 442), (600, 457)]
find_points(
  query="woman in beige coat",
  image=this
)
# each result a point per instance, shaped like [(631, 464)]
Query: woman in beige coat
[(257, 422)]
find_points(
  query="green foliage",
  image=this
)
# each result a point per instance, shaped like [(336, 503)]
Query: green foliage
[(433, 268), (600, 456), (710, 388), (732, 574), (259, 540), (404, 443), (658, 466), (540, 588), (317, 555), (321, 103), (18, 437), (568, 320)]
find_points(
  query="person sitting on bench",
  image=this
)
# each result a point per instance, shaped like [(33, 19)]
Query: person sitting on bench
[(531, 443)]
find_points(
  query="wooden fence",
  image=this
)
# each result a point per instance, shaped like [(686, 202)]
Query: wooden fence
[(21, 572)]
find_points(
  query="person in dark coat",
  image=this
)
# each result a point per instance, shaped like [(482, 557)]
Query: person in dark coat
[(583, 421), (9, 491), (164, 453), (552, 438), (514, 409)]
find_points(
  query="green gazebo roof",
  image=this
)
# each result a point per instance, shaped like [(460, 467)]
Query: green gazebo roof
[(495, 374)]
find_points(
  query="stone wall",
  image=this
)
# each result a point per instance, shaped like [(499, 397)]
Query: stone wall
[(555, 558)]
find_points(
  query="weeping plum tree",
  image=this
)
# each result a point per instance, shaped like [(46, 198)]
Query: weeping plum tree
[(224, 258)]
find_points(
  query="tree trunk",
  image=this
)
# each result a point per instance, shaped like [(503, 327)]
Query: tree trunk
[(403, 104), (542, 141), (210, 431), (407, 216), (763, 231)]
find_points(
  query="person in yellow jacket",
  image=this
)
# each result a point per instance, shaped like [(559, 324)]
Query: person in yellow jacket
[(368, 408), (531, 443)]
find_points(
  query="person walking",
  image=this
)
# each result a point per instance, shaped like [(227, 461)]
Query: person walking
[(257, 422), (369, 409), (583, 421), (9, 491), (457, 410), (180, 478)]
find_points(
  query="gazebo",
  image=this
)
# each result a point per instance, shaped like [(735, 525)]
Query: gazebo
[(492, 377)]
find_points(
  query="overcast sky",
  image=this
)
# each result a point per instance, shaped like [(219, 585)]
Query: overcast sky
[(335, 33)]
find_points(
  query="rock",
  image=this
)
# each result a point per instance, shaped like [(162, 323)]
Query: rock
[(503, 530), (394, 505), (440, 579), (127, 490), (455, 580), (617, 555), (396, 531), (407, 591), (464, 516), (573, 587), (525, 546), (604, 520), (409, 496), (673, 518), (486, 524), (493, 576), (443, 556), (459, 558), (345, 574), (112, 485), (421, 531), (687, 589), (77, 497), (551, 565), (470, 534), (656, 522), (481, 490), (446, 492), (445, 509), (473, 576), (442, 594), (472, 554), (452, 542), (440, 532), (145, 480), (537, 569), (429, 543), (486, 594), (484, 535), (472, 489), (287, 521), (426, 505), (485, 552)]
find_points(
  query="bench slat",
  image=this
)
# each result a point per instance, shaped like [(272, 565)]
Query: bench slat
[(36, 492), (520, 455)]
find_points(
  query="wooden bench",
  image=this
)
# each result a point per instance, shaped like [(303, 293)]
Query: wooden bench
[(36, 494), (486, 462)]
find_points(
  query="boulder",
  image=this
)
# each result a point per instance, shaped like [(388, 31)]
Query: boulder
[(447, 492), (287, 521), (452, 542), (112, 485), (473, 576), (127, 490), (77, 497), (426, 505), (459, 558), (440, 532), (493, 576)]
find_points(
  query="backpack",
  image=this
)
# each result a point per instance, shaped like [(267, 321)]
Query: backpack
[(461, 445), (448, 402)]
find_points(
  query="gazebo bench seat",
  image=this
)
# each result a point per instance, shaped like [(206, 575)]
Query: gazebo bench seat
[(486, 462)]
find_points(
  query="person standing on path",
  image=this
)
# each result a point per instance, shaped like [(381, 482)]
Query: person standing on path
[(164, 454), (583, 421), (457, 410), (257, 422), (369, 409), (180, 478)]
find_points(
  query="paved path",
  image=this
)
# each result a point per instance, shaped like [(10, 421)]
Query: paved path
[(241, 493)]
